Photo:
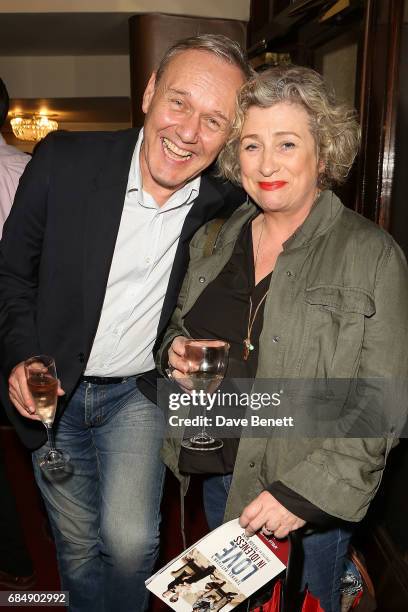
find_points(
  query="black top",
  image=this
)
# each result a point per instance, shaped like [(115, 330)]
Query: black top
[(221, 312)]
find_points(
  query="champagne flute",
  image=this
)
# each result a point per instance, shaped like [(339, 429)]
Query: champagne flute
[(207, 362), (42, 383)]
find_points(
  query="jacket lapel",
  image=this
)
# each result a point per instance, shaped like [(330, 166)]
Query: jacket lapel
[(102, 220)]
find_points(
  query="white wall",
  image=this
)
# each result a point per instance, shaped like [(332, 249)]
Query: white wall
[(93, 76), (66, 76), (228, 9)]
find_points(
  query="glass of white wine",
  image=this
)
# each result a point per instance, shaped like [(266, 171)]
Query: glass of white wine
[(42, 383), (207, 363)]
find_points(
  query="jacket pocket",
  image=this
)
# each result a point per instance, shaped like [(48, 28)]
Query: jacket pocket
[(343, 299), (335, 330)]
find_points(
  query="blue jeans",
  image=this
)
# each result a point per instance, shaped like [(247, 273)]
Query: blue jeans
[(105, 515), (324, 552)]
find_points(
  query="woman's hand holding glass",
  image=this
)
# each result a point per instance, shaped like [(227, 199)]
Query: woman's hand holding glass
[(199, 365), (178, 364)]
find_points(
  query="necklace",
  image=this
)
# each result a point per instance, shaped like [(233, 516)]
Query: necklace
[(248, 346)]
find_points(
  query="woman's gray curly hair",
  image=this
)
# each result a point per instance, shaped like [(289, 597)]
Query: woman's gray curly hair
[(333, 126)]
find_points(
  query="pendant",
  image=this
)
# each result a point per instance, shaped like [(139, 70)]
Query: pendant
[(247, 348)]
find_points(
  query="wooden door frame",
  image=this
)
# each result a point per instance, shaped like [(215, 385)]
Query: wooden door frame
[(370, 185), (378, 109)]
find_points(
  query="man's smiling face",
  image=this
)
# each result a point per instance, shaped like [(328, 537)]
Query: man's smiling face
[(189, 113)]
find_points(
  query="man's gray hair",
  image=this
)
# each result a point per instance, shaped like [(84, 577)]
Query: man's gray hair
[(221, 46)]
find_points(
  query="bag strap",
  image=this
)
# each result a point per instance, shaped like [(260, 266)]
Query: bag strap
[(212, 234), (284, 596), (290, 599)]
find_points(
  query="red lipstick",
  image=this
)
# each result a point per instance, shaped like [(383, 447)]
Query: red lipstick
[(272, 186)]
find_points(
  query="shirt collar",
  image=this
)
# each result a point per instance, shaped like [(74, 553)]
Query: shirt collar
[(184, 196)]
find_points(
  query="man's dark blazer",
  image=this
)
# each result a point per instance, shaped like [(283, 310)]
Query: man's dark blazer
[(57, 249)]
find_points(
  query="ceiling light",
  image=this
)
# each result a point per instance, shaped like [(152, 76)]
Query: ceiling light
[(32, 128)]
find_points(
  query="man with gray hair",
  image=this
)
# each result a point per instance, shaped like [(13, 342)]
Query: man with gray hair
[(91, 264)]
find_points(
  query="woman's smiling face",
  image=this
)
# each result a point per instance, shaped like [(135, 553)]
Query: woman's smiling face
[(278, 158)]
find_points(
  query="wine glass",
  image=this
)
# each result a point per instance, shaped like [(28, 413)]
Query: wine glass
[(207, 362), (42, 383)]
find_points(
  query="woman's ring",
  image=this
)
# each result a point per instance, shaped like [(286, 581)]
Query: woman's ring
[(266, 531)]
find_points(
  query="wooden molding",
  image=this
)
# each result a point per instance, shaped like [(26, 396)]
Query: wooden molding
[(378, 108)]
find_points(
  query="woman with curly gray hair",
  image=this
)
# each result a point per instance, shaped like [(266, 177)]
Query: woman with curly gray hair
[(301, 288), (333, 127)]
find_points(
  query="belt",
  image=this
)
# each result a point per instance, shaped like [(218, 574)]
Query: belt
[(102, 380)]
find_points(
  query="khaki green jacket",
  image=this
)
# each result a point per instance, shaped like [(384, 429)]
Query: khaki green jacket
[(337, 308)]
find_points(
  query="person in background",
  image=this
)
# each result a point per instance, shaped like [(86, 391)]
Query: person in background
[(12, 163), (307, 290), (16, 567), (87, 276)]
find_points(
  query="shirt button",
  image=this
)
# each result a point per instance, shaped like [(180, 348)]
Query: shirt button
[(251, 464), (147, 260), (202, 279), (289, 273), (276, 339)]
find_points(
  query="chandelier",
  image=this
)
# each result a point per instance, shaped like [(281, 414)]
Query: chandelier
[(32, 128)]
